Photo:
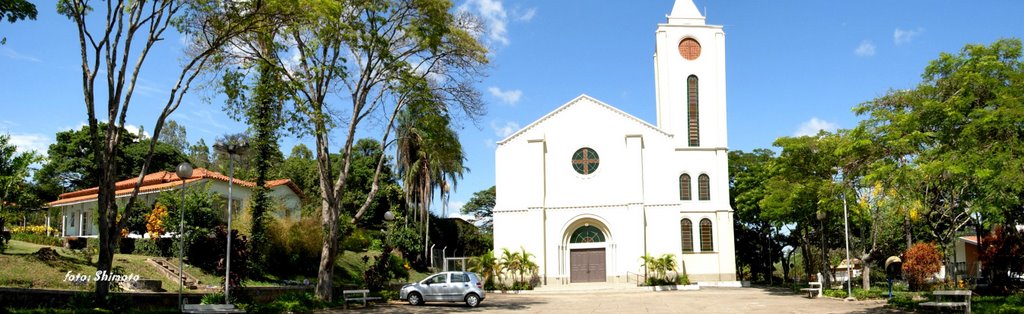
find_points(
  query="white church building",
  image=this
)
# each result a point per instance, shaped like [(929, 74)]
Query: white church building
[(588, 189)]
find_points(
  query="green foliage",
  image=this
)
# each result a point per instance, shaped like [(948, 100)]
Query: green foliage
[(72, 165), (202, 216), (480, 206), (758, 242), (38, 239), (16, 194), (658, 269), (921, 262), (14, 10), (213, 298), (457, 233), (488, 266), (294, 247), (162, 247)]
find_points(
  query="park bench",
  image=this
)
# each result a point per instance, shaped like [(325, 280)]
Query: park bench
[(356, 295), (814, 288), (965, 295), (210, 308)]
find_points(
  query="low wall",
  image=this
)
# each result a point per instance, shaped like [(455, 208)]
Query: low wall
[(35, 298)]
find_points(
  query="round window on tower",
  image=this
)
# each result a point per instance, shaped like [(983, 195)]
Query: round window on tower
[(585, 161), (689, 48)]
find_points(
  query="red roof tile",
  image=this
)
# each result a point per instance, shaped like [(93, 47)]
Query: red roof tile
[(163, 180)]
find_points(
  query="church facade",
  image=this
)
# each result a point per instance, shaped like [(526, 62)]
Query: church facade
[(588, 189)]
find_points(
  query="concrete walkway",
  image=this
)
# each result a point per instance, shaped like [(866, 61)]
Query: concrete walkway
[(707, 300)]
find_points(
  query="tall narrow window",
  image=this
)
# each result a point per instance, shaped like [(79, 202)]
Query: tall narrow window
[(686, 231), (691, 104), (703, 188), (684, 187), (705, 236)]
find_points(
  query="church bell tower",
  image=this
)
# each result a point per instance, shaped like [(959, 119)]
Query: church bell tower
[(689, 76)]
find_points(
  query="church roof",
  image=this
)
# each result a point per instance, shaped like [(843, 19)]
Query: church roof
[(685, 9), (576, 101)]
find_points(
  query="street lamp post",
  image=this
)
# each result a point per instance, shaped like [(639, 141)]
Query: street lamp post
[(233, 146), (184, 172), (824, 255), (849, 263)]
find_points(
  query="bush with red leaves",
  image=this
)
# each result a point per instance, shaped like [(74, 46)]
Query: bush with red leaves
[(921, 262)]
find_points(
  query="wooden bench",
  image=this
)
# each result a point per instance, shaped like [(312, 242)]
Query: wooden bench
[(210, 308), (814, 288), (350, 295), (952, 305)]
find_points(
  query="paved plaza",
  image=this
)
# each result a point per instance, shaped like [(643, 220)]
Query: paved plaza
[(708, 300)]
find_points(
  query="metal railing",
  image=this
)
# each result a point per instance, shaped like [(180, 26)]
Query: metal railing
[(639, 279)]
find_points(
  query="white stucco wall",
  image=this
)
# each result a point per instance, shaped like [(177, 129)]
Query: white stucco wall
[(633, 196)]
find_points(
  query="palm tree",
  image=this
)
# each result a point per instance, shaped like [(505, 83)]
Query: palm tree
[(667, 263), (650, 265), (511, 262), (486, 265), (527, 264), (430, 157)]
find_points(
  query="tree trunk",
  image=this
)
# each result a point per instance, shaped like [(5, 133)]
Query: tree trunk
[(325, 277), (865, 275), (909, 232)]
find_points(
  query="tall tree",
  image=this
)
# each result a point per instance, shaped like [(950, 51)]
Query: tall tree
[(802, 186), (175, 135), (954, 142), (758, 244), (199, 154), (15, 191), (108, 43), (380, 55), (71, 164), (481, 206)]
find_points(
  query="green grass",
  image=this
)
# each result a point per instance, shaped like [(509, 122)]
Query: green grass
[(22, 269)]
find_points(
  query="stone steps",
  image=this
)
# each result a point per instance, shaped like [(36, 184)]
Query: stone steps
[(170, 270)]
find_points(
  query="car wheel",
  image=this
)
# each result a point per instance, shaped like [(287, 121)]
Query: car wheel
[(415, 298), (472, 300)]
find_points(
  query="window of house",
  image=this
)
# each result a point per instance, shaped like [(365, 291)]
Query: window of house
[(692, 122), (705, 236), (684, 187), (704, 187), (686, 229)]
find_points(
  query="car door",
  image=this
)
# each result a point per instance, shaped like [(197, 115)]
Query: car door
[(457, 287), (435, 287)]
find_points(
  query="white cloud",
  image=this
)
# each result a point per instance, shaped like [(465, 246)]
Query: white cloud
[(866, 49), (902, 36), (813, 126), (510, 97), (525, 16), (493, 12), (31, 142), (504, 130), (134, 129), (10, 53)]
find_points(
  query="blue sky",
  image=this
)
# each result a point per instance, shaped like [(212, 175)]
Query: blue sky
[(793, 66)]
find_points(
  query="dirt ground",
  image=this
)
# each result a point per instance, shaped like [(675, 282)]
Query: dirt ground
[(708, 300)]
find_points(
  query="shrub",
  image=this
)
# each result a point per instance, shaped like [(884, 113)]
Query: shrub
[(921, 262), (213, 298), (38, 239), (163, 247), (34, 229), (1001, 255), (294, 247)]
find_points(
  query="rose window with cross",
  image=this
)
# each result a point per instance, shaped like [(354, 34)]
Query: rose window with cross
[(585, 161)]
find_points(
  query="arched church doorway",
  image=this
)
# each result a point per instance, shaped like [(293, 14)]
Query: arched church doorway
[(587, 254)]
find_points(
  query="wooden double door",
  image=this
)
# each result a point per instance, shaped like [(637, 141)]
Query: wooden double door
[(587, 265)]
